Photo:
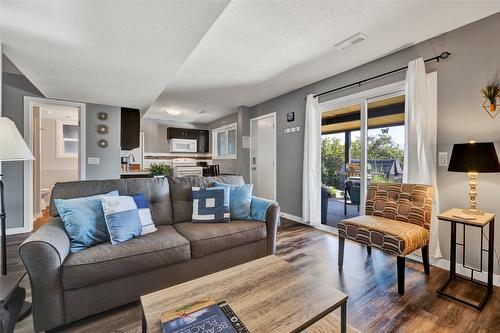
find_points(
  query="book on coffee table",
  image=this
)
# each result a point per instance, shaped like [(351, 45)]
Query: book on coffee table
[(202, 316)]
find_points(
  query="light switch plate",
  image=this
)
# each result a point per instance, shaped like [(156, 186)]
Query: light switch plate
[(93, 160), (443, 158)]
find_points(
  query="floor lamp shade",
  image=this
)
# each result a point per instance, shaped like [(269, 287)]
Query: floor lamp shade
[(474, 158), (12, 145)]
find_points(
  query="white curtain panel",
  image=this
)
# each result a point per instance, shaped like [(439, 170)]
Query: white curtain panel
[(421, 138), (311, 178)]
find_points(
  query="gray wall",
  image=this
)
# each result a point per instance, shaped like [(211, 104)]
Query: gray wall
[(53, 169), (474, 62), (14, 88), (109, 166), (155, 133)]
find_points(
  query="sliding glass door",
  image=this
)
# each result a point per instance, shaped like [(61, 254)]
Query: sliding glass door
[(363, 138)]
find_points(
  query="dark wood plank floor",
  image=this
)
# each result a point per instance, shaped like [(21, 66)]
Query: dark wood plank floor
[(374, 304)]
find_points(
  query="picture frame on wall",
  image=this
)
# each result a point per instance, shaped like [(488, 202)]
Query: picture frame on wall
[(290, 116)]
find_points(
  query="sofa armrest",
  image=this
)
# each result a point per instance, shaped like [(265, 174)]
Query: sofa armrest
[(43, 254), (272, 216)]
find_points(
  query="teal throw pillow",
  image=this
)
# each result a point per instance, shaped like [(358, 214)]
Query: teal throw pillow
[(240, 198), (84, 221)]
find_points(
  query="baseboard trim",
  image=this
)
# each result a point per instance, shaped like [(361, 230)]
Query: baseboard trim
[(445, 264), (17, 231), (293, 218)]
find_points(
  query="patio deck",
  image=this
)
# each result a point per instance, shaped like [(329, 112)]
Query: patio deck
[(336, 211)]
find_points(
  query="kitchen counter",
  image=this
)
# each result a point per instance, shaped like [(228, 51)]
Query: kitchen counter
[(135, 174)]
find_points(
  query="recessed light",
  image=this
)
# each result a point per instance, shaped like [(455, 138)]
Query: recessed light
[(354, 39), (201, 111), (173, 112)]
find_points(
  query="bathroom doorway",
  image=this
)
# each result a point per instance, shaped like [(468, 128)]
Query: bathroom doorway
[(56, 134)]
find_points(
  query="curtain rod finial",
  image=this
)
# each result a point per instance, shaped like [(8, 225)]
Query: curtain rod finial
[(444, 55)]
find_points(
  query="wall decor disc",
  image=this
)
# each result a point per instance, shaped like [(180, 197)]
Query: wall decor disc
[(102, 129), (102, 115), (102, 143)]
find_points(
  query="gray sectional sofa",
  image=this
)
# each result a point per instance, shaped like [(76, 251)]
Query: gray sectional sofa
[(67, 287)]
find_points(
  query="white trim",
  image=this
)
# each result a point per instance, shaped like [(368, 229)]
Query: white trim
[(293, 217), (275, 180), (226, 129), (28, 165), (60, 139), (384, 91), (445, 264)]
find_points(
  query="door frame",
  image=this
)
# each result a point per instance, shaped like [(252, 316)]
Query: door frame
[(363, 98), (252, 120), (28, 165)]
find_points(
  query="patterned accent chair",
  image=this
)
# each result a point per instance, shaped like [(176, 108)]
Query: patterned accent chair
[(397, 220)]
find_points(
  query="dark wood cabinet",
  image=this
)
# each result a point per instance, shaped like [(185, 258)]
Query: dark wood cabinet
[(130, 128), (203, 145), (201, 136)]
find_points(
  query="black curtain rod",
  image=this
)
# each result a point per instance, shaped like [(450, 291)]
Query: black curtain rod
[(443, 56)]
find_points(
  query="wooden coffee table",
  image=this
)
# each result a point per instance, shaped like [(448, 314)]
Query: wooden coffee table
[(267, 294)]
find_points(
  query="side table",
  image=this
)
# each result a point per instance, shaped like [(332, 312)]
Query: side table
[(11, 300), (455, 216)]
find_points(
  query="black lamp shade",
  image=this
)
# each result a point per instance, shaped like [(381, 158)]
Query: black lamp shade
[(474, 157)]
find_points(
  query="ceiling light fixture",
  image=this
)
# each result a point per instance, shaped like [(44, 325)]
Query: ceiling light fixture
[(354, 39), (173, 112)]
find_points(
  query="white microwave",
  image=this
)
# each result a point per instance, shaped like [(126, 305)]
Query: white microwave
[(182, 146)]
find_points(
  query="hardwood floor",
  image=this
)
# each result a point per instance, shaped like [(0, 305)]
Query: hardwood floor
[(373, 306)]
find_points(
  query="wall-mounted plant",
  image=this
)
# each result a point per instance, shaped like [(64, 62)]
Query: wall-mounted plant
[(160, 170), (490, 93)]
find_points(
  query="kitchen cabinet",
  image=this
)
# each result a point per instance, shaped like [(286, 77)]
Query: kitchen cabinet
[(181, 133), (130, 128), (203, 145)]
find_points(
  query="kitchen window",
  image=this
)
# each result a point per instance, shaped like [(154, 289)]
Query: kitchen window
[(224, 142), (67, 138)]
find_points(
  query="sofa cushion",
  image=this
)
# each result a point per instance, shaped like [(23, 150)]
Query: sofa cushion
[(156, 190), (182, 196), (105, 262), (207, 238)]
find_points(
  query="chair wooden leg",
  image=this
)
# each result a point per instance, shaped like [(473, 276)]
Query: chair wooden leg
[(341, 252), (401, 275), (369, 250), (425, 259)]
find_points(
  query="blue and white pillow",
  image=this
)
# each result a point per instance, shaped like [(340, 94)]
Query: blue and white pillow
[(210, 204), (141, 202), (122, 218), (84, 220)]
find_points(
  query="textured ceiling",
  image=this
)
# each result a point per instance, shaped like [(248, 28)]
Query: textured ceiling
[(110, 52), (209, 56)]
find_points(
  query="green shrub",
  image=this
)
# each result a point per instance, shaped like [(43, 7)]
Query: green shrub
[(333, 191)]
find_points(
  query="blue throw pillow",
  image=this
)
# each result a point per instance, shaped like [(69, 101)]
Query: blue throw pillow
[(240, 198), (122, 218), (210, 204), (83, 220), (141, 202)]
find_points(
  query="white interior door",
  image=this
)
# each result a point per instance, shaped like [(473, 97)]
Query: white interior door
[(263, 156)]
